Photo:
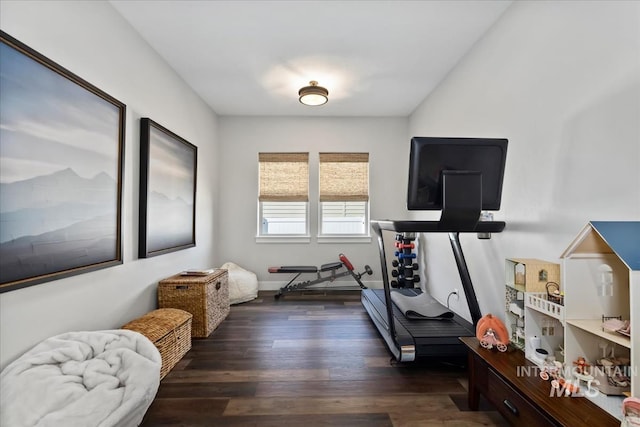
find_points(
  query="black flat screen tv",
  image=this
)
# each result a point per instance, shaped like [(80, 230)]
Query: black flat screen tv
[(430, 156)]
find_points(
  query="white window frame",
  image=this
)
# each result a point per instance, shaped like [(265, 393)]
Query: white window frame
[(263, 237), (324, 237), (274, 188), (327, 237)]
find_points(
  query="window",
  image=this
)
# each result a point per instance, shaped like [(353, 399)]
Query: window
[(344, 194), (280, 218), (284, 194)]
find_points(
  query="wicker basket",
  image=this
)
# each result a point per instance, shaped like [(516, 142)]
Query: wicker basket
[(170, 330), (206, 297)]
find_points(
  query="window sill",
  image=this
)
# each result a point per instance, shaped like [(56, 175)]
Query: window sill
[(283, 239), (344, 239)]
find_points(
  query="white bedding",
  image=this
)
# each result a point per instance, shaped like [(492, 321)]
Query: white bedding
[(84, 379)]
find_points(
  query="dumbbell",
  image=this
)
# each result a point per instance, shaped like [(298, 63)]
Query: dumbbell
[(405, 245)]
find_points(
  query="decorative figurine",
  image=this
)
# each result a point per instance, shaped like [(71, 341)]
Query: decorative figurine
[(581, 365), (491, 332)]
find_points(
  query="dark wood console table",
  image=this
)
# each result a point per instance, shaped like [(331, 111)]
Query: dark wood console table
[(521, 396)]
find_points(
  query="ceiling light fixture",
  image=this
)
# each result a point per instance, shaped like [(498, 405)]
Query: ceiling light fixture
[(313, 94)]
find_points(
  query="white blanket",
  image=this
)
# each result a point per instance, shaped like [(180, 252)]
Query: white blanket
[(98, 378)]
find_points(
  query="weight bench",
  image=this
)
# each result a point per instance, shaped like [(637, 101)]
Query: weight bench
[(332, 270)]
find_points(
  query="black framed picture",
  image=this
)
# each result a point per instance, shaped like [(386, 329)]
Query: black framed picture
[(61, 157), (168, 171)]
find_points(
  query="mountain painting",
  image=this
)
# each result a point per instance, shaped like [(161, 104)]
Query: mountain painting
[(167, 190), (61, 142)]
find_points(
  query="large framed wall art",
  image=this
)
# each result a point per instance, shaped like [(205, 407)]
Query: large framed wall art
[(168, 171), (61, 154)]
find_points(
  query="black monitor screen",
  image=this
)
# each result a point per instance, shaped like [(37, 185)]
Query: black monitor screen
[(430, 156)]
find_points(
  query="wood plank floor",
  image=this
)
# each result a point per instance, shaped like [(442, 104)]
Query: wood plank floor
[(310, 359)]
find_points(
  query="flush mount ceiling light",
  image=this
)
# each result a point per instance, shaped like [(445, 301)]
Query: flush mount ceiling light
[(313, 94)]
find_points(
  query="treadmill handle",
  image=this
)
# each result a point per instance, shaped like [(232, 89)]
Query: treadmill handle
[(385, 282)]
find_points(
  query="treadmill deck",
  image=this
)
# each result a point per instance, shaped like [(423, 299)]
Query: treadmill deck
[(431, 338)]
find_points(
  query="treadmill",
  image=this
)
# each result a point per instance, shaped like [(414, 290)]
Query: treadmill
[(462, 177), (408, 339)]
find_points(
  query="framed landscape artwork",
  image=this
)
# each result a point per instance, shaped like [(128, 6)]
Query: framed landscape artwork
[(168, 170), (61, 148)]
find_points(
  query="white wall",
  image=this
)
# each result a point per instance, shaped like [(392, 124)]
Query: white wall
[(91, 40), (561, 81), (244, 137)]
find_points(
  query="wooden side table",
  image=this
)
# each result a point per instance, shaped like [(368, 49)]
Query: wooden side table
[(511, 383), (206, 297)]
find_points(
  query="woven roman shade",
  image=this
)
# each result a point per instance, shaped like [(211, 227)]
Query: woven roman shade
[(344, 177), (284, 177)]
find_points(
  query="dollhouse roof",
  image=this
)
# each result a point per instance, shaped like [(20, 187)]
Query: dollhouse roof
[(619, 237)]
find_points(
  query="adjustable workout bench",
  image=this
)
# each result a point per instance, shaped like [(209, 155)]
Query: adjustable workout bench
[(332, 268)]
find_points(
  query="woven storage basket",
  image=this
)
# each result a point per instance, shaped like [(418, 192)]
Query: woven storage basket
[(170, 330), (206, 297)]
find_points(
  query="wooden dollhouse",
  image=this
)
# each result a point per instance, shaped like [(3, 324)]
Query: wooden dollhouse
[(601, 281), (529, 313)]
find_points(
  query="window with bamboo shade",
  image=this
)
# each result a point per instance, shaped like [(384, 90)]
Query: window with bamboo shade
[(283, 194), (344, 194)]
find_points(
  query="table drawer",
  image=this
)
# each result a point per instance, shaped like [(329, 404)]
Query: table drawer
[(512, 405)]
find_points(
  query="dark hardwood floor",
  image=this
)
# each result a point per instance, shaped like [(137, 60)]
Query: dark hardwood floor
[(310, 359)]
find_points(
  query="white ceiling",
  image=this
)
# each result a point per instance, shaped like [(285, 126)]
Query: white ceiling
[(376, 58)]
